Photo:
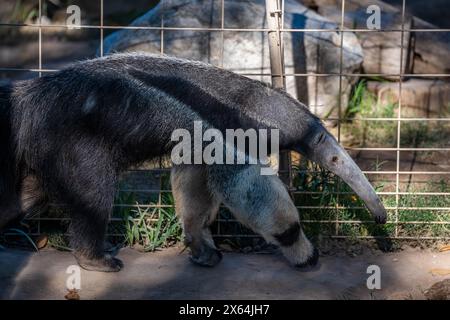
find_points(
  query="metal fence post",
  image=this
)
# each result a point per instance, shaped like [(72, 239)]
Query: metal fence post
[(274, 12), (274, 18)]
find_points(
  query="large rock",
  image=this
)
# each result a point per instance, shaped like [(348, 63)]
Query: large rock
[(436, 11), (420, 97), (429, 49), (381, 49), (247, 52), (424, 52)]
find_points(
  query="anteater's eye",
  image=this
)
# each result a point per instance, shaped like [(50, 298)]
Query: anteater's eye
[(321, 138)]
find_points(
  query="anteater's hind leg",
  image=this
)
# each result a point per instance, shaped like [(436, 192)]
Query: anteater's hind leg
[(8, 212), (197, 209), (33, 200), (263, 204), (29, 201), (9, 200), (84, 180)]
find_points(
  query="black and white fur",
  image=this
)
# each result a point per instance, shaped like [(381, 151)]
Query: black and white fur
[(69, 134)]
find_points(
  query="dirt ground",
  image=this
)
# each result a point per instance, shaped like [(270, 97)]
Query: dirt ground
[(168, 274)]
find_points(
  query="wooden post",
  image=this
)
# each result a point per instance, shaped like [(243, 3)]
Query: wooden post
[(274, 12), (276, 50)]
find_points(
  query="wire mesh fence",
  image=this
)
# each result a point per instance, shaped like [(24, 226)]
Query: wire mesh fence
[(404, 155)]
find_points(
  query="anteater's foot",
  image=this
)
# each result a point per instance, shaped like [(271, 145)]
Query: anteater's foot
[(107, 263), (208, 257), (310, 262)]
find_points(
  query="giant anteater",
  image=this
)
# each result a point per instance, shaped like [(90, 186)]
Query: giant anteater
[(69, 134)]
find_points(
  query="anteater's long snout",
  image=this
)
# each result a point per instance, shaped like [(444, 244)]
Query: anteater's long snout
[(326, 151)]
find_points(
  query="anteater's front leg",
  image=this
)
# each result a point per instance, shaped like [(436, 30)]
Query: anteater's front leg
[(84, 180), (197, 208), (262, 203)]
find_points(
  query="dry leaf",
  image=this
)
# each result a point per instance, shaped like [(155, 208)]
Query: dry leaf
[(72, 295), (440, 272), (41, 241), (444, 248), (439, 291), (226, 247)]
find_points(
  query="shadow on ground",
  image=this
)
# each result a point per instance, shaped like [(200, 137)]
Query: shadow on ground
[(12, 262), (168, 274)]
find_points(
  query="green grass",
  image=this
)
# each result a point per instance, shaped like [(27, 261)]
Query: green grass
[(152, 226), (329, 190), (22, 12), (363, 104), (383, 133), (311, 178), (425, 216), (58, 241)]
